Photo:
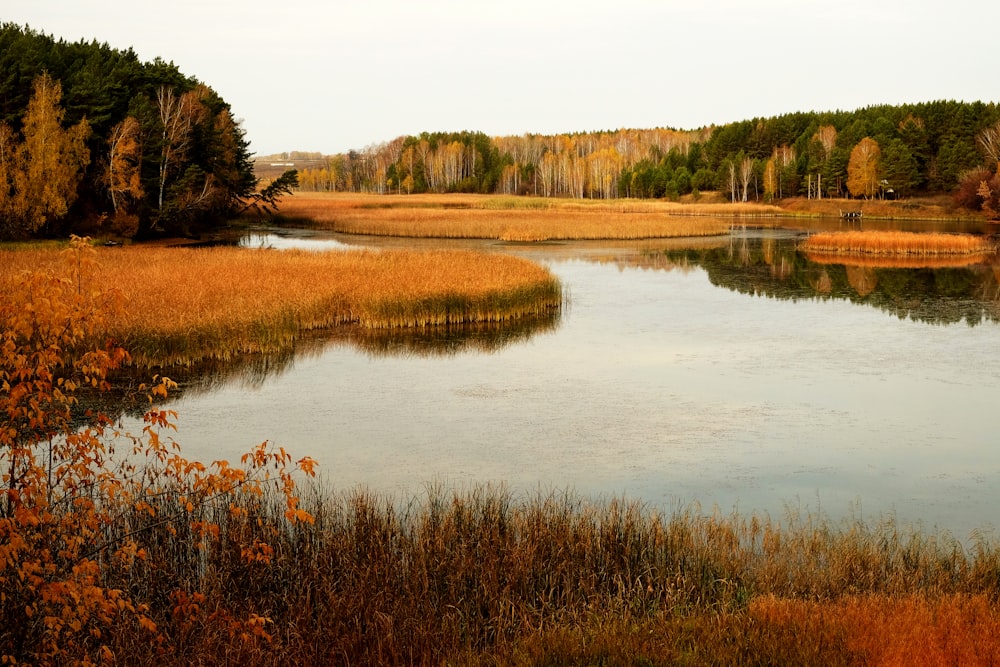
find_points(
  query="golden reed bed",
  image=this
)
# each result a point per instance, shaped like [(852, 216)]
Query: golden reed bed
[(897, 244), (182, 305), (514, 218)]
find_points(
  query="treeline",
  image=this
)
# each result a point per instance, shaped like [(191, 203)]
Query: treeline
[(94, 141), (879, 151)]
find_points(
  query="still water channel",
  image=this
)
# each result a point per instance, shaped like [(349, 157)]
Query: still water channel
[(733, 372)]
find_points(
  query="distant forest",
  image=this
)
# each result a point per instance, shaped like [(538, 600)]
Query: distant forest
[(93, 141), (880, 151)]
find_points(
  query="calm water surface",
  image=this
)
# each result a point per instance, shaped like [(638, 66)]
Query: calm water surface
[(737, 375)]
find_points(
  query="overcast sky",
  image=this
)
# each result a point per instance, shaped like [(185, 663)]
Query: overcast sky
[(335, 75)]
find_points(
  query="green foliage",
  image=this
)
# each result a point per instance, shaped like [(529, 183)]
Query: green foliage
[(266, 201), (900, 168), (955, 156), (106, 86), (703, 179)]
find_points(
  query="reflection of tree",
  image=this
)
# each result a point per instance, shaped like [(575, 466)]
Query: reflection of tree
[(129, 397), (774, 268), (863, 279)]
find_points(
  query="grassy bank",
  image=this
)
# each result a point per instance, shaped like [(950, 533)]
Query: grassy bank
[(181, 305), (516, 218), (940, 208), (489, 578)]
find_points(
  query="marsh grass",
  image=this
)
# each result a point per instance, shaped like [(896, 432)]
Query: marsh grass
[(482, 576), (897, 243), (513, 203), (517, 218), (183, 305)]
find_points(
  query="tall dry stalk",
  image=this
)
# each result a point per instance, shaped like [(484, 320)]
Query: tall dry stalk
[(486, 575)]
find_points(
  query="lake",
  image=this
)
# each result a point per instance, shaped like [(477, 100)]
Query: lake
[(734, 373)]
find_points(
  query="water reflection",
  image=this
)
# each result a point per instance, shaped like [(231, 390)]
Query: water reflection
[(484, 338), (658, 385), (302, 240), (252, 371), (947, 291)]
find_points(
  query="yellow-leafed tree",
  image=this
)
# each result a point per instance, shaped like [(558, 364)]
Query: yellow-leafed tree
[(770, 180), (42, 172), (124, 155), (863, 168)]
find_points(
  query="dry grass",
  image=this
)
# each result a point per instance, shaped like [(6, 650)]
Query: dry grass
[(955, 629), (515, 218), (896, 243), (484, 577), (182, 305)]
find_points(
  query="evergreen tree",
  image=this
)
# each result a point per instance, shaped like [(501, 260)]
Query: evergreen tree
[(899, 168), (142, 174)]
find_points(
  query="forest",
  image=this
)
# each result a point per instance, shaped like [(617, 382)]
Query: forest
[(901, 151), (94, 141)]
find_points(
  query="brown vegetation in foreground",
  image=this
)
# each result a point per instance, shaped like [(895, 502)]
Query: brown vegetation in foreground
[(516, 218), (889, 243), (182, 305), (83, 506), (483, 577)]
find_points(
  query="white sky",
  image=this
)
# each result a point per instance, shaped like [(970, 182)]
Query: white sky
[(335, 75)]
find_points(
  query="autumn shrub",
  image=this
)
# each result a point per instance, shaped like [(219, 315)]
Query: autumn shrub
[(979, 190), (86, 510)]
